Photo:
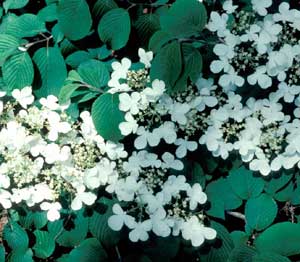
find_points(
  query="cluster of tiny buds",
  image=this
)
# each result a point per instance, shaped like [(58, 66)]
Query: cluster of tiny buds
[(246, 58), (293, 77), (153, 177), (84, 155), (231, 131), (243, 21), (148, 117), (270, 142), (196, 122), (288, 35), (187, 95), (137, 80)]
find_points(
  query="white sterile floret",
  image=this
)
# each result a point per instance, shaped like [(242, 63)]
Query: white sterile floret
[(196, 196), (218, 23), (260, 6), (24, 96), (140, 231), (2, 94), (260, 77), (120, 69), (160, 223), (145, 57), (231, 79), (83, 197), (166, 131), (229, 7), (127, 188), (4, 181), (178, 112), (261, 165), (57, 126), (169, 161), (155, 92), (145, 137), (130, 102), (288, 15), (52, 153), (288, 92), (51, 103), (5, 199), (52, 210), (114, 150), (195, 231), (272, 112), (116, 87), (128, 127), (173, 186), (120, 218), (251, 34), (211, 138), (99, 174), (184, 146)]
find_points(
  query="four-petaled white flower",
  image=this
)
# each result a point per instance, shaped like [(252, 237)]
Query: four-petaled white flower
[(24, 96), (120, 218), (145, 57), (52, 210)]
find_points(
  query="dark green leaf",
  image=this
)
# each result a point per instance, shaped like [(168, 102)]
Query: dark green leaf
[(107, 116), (15, 236), (281, 238), (244, 183), (44, 244), (74, 18), (75, 59), (260, 212), (18, 71), (114, 28), (103, 6), (14, 4), (52, 69)]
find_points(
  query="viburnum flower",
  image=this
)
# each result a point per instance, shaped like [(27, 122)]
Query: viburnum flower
[(145, 57), (156, 91), (184, 146), (140, 231), (178, 112), (197, 232), (24, 97), (87, 198), (146, 137), (218, 23), (196, 196), (229, 7), (169, 161), (260, 6), (120, 69), (5, 199), (160, 223), (166, 131), (120, 217), (129, 102), (52, 210), (128, 127)]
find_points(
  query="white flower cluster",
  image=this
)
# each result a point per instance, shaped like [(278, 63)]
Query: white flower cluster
[(255, 46), (151, 197), (45, 155)]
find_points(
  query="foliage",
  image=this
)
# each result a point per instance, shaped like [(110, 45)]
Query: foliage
[(73, 48)]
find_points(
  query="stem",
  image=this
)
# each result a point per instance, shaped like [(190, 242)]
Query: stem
[(47, 39), (118, 253), (237, 215), (91, 87)]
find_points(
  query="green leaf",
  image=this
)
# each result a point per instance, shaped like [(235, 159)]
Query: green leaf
[(8, 45), (74, 18), (73, 237), (198, 175), (55, 227), (260, 212), (158, 39), (21, 255), (103, 6), (48, 13), (66, 92), (2, 253), (75, 59), (146, 25), (89, 250), (244, 183), (281, 238), (221, 198), (27, 25), (14, 4), (107, 116), (94, 73), (114, 28), (239, 237), (36, 218), (222, 251), (99, 229), (185, 18), (52, 68), (167, 64), (100, 53), (276, 182), (44, 244), (242, 253), (18, 71), (270, 257), (15, 236), (286, 193)]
